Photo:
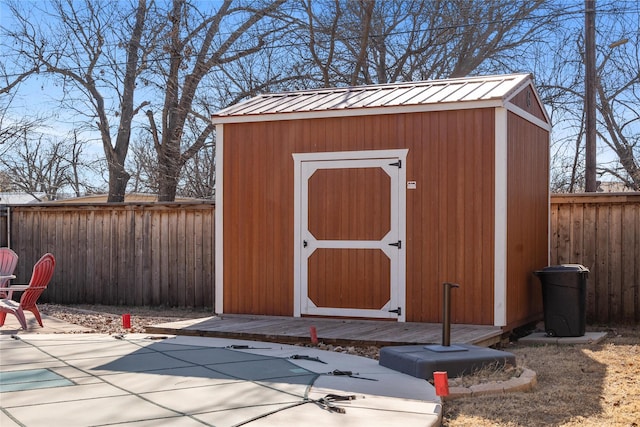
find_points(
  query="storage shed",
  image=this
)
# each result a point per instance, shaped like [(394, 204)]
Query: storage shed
[(361, 201)]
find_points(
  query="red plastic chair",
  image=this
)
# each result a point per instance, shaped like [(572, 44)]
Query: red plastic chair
[(8, 262), (42, 273)]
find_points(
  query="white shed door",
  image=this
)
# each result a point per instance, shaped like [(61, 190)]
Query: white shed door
[(350, 238)]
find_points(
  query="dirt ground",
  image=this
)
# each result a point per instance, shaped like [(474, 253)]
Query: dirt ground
[(578, 385)]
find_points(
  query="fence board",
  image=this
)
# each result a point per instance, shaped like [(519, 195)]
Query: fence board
[(601, 249), (156, 253), (577, 232), (191, 235), (181, 259), (564, 236), (114, 258), (138, 237), (553, 230), (82, 264), (207, 275), (630, 237), (605, 237), (588, 258), (102, 258), (615, 262), (165, 249), (93, 252)]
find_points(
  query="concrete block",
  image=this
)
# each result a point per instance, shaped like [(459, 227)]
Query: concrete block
[(421, 362), (492, 387), (458, 392), (531, 376), (542, 338), (517, 384)]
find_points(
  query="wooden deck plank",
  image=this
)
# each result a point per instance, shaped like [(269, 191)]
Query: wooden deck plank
[(331, 331)]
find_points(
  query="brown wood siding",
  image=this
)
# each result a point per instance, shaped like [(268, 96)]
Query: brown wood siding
[(601, 232), (358, 278), (332, 193), (526, 100), (527, 217), (124, 254), (258, 219), (450, 215), (450, 224)]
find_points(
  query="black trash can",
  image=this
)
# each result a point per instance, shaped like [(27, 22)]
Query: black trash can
[(564, 299)]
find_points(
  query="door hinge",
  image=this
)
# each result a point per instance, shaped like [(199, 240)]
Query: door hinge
[(398, 164), (397, 311), (398, 244), (304, 243)]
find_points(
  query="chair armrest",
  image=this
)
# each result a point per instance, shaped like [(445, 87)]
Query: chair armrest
[(4, 280), (18, 288)]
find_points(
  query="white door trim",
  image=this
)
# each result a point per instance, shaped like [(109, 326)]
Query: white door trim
[(300, 179)]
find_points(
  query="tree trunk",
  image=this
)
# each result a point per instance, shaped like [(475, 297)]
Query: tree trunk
[(167, 190), (167, 184), (118, 179), (169, 166)]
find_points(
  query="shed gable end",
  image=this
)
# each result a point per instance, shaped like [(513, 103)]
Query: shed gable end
[(527, 100)]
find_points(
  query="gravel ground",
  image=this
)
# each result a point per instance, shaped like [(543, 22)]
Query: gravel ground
[(108, 320)]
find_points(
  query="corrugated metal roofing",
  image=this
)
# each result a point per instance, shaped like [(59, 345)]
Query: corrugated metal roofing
[(409, 94)]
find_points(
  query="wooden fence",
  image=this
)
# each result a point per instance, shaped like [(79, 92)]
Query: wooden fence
[(601, 232), (123, 254), (163, 254)]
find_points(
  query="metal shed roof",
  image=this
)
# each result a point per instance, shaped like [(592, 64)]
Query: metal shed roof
[(473, 92)]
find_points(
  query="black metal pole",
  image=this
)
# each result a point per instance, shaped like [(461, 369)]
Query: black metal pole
[(446, 313)]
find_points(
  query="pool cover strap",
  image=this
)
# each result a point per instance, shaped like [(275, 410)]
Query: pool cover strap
[(349, 374), (327, 402)]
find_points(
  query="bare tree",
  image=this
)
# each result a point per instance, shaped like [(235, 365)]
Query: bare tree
[(143, 164), (199, 175), (560, 80), (364, 15), (95, 51), (198, 44), (618, 90), (5, 182), (13, 126), (82, 168), (112, 61), (323, 25), (369, 41), (14, 77), (559, 67), (36, 163)]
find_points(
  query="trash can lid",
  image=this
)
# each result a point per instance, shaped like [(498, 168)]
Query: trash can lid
[(564, 268)]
